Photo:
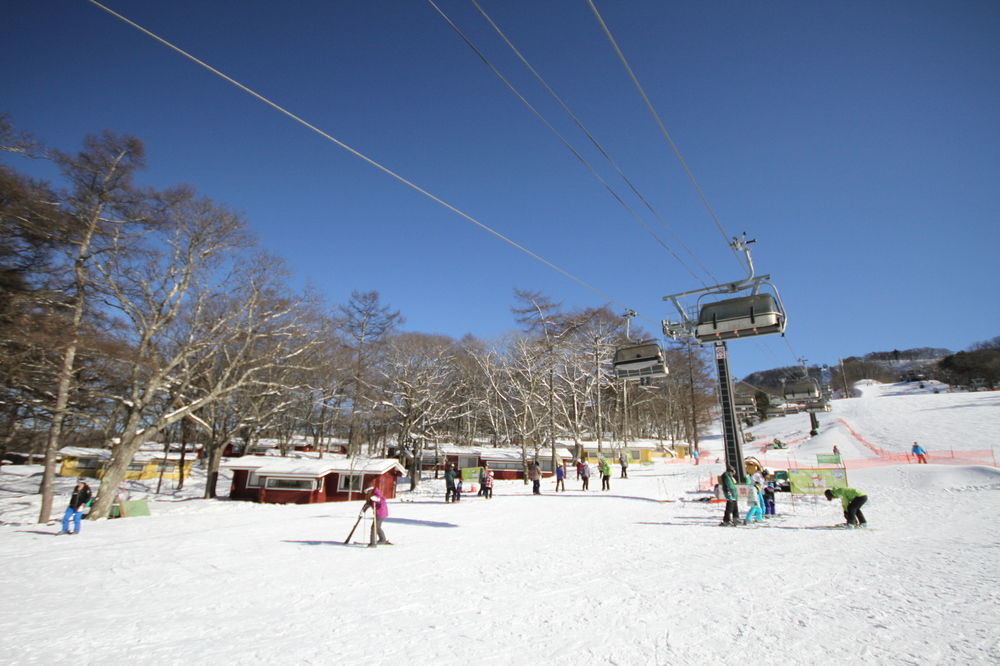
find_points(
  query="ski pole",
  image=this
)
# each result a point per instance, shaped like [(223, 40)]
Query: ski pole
[(356, 523)]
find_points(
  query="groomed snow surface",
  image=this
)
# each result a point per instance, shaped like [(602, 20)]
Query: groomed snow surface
[(642, 574)]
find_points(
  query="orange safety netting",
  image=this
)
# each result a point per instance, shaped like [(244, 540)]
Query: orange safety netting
[(938, 457)]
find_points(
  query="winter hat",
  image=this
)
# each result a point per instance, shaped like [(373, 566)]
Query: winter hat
[(828, 493)]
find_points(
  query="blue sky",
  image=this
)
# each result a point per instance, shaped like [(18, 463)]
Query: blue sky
[(857, 142)]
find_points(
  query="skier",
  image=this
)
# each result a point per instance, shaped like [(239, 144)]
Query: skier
[(585, 474), (482, 480), (920, 453), (376, 500), (728, 484), (852, 501), (488, 484), (605, 469), (755, 500), (769, 497), (561, 477), (696, 456), (535, 474), (79, 499), (449, 483)]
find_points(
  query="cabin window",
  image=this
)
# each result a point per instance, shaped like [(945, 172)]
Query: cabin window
[(169, 467), (291, 484), (86, 463), (515, 465), (253, 480), (136, 467), (347, 483)]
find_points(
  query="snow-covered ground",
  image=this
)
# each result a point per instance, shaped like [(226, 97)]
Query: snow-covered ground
[(638, 575)]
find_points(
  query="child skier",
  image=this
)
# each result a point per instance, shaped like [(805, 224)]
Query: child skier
[(769, 498), (488, 485), (755, 500)]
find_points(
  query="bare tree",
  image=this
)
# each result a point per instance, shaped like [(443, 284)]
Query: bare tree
[(365, 322), (100, 207)]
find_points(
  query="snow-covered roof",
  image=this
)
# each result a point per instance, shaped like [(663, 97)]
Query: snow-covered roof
[(105, 454), (312, 467)]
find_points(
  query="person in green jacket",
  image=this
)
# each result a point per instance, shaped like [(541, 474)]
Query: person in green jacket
[(604, 467), (852, 500), (727, 483)]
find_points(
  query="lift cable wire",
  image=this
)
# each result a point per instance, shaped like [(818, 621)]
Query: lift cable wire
[(583, 160), (358, 154), (663, 129), (593, 139)]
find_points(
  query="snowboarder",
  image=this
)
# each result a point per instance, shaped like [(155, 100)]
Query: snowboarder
[(535, 474), (920, 453), (77, 501), (728, 484), (376, 500), (755, 500), (561, 477), (852, 501), (585, 474), (605, 469), (449, 483), (623, 461)]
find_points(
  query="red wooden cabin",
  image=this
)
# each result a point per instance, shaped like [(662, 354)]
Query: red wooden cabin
[(277, 480)]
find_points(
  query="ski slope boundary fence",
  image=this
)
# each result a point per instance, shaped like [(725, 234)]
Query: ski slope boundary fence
[(936, 456)]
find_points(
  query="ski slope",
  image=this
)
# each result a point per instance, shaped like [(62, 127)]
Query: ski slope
[(641, 574)]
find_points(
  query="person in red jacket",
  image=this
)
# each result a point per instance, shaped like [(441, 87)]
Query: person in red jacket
[(376, 500)]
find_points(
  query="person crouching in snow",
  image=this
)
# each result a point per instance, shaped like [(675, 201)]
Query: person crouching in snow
[(755, 500), (376, 500), (852, 500)]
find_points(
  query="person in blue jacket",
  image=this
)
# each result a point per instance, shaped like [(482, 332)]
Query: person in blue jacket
[(920, 453)]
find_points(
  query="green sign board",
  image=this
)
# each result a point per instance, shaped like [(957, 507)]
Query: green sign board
[(470, 474), (127, 509), (827, 458), (815, 481)]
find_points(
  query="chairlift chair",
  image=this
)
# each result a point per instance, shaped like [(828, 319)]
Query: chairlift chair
[(639, 361), (740, 317), (806, 388)]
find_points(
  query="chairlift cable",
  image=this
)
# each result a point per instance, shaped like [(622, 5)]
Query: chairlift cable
[(663, 129), (357, 153), (600, 148), (583, 160)]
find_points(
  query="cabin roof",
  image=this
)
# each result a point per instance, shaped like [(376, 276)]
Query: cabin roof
[(313, 467)]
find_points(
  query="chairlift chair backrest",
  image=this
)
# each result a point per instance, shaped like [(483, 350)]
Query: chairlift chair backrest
[(817, 406), (741, 317)]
